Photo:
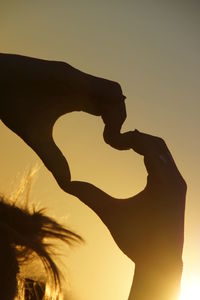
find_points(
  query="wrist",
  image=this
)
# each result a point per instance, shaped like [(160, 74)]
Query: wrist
[(157, 281)]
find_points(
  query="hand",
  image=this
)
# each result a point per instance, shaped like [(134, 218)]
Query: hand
[(148, 227), (152, 217), (35, 93)]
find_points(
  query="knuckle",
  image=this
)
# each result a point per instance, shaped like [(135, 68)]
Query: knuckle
[(116, 85), (161, 141), (180, 186), (162, 146), (116, 88), (183, 185)]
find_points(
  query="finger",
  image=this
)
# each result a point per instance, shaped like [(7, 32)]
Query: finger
[(151, 147), (158, 160), (113, 109), (53, 159), (114, 115), (119, 141), (146, 144), (164, 174), (106, 207), (159, 171), (114, 119)]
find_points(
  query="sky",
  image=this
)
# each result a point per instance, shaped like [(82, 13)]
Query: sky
[(152, 49)]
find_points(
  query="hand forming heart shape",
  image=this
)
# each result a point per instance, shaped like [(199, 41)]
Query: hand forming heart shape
[(35, 93), (147, 227)]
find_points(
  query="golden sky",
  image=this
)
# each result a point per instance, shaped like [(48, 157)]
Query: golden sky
[(152, 49)]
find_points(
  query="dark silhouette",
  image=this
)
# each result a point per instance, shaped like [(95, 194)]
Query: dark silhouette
[(35, 93), (148, 227)]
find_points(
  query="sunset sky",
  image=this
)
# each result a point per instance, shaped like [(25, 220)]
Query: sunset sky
[(152, 49)]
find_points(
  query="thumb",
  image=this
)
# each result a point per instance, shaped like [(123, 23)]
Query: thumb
[(53, 159), (100, 202)]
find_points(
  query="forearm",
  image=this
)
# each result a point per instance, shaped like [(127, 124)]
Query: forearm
[(157, 282)]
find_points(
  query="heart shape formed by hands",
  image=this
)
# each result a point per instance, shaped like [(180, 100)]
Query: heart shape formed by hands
[(147, 227), (35, 93)]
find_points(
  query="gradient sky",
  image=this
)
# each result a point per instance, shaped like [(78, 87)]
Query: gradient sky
[(152, 49)]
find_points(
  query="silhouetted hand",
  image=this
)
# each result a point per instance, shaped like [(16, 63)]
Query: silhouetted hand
[(34, 93), (148, 227)]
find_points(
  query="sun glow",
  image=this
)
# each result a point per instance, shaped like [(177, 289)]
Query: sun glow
[(190, 290)]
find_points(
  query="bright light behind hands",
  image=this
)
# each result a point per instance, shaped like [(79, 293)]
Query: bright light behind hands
[(190, 290)]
